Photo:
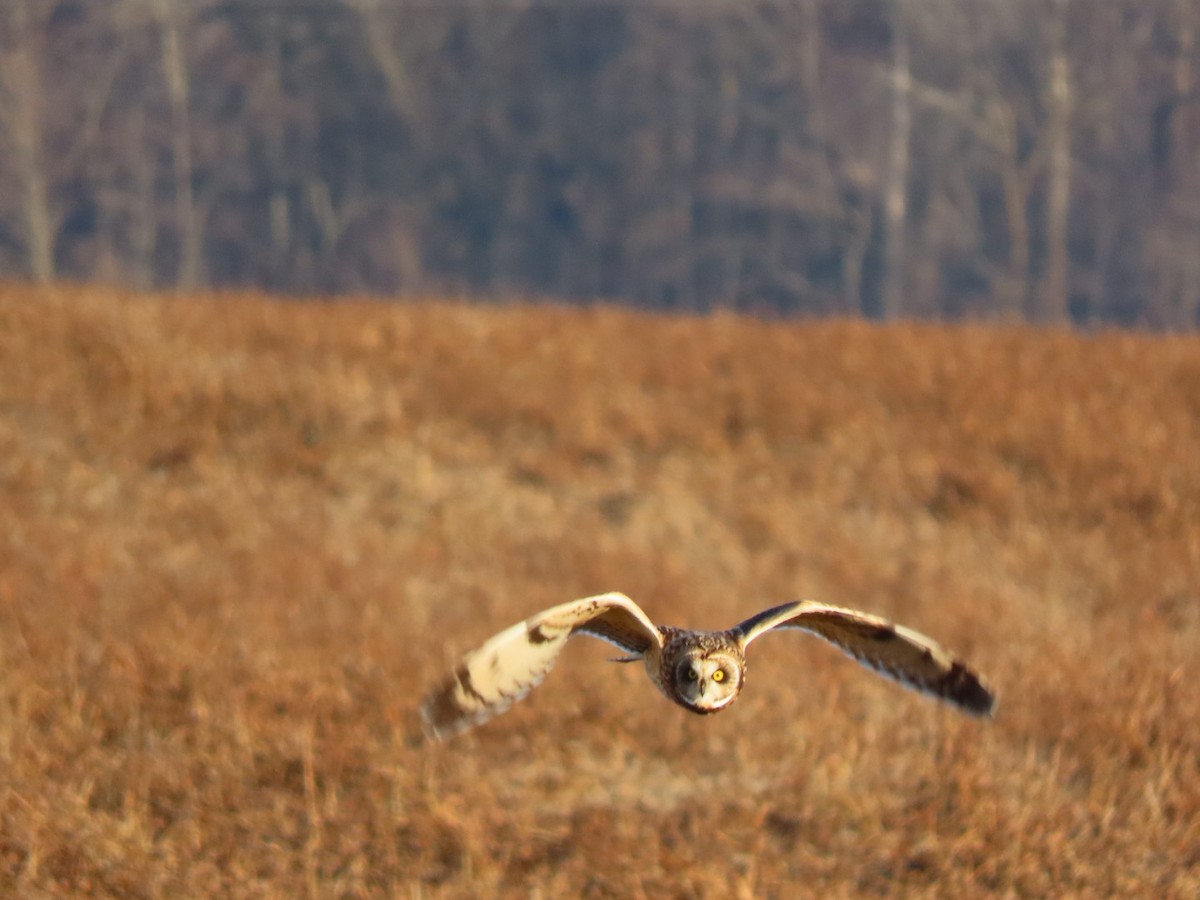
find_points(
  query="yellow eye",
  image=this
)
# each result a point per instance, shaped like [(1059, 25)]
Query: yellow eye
[(692, 676), (719, 675)]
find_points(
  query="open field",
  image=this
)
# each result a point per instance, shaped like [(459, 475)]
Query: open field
[(240, 538)]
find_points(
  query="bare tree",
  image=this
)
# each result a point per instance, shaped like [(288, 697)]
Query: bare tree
[(1053, 305), (169, 17), (895, 190), (56, 82), (1171, 239), (1185, 304), (23, 127)]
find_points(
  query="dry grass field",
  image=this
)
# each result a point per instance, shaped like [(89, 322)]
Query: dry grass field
[(239, 538)]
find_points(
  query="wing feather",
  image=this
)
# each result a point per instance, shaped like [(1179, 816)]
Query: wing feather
[(510, 664), (892, 650)]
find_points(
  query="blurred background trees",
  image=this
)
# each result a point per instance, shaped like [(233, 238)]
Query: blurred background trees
[(1037, 159)]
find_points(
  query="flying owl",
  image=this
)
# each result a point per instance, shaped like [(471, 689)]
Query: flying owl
[(702, 671)]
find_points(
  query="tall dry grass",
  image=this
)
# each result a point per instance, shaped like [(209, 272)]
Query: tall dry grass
[(241, 537)]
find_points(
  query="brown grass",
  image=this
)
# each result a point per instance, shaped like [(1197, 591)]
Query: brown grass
[(241, 537)]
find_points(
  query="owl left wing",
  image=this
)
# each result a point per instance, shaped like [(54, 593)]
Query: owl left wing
[(510, 664), (892, 650)]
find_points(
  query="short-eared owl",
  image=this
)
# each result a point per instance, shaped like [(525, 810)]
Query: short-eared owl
[(702, 671)]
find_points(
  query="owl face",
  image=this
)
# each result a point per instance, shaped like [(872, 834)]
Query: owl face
[(705, 682)]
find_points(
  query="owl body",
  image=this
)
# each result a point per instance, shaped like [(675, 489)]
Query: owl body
[(702, 671)]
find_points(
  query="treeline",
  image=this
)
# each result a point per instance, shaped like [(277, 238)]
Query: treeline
[(1037, 159)]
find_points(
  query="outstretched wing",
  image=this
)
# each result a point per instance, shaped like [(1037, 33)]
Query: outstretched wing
[(891, 650), (513, 662)]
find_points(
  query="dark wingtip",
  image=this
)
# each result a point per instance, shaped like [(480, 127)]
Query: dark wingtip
[(439, 713), (963, 688)]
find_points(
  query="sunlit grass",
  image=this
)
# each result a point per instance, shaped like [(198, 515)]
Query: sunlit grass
[(239, 538)]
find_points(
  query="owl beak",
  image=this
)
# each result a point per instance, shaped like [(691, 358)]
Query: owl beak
[(703, 685)]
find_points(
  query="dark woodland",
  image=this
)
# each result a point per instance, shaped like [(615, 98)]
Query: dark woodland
[(1027, 160)]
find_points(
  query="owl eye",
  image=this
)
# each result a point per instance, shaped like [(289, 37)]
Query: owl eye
[(719, 675), (691, 675)]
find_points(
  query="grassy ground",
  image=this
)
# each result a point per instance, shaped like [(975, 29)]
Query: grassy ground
[(240, 538)]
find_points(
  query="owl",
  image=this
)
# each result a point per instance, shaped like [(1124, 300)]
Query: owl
[(702, 671)]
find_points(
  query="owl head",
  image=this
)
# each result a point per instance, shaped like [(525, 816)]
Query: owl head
[(705, 681)]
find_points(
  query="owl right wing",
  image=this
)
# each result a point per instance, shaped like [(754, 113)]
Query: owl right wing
[(892, 650), (510, 664)]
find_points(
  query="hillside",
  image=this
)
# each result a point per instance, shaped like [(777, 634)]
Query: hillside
[(242, 537)]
